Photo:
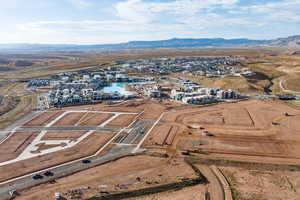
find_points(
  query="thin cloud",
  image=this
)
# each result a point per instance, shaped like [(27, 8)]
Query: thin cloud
[(150, 20), (80, 3)]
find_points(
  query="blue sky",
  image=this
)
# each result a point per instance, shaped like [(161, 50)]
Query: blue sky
[(113, 21)]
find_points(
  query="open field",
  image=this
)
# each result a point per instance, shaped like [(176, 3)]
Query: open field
[(23, 108), (293, 82), (8, 103), (16, 103), (250, 183)]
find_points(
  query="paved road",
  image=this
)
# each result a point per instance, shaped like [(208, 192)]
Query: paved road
[(68, 128), (6, 131), (117, 152), (139, 130)]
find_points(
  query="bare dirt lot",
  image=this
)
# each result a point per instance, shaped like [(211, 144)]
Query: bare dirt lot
[(15, 145), (248, 115), (86, 147), (162, 135), (70, 119), (118, 176), (248, 128), (122, 120), (63, 135), (94, 119), (43, 118), (262, 184)]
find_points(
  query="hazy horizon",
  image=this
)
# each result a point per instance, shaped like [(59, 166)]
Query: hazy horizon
[(117, 21)]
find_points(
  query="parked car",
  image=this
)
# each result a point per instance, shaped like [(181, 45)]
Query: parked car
[(86, 161), (37, 176), (48, 173)]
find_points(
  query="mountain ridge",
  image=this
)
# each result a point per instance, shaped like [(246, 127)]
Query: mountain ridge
[(288, 42)]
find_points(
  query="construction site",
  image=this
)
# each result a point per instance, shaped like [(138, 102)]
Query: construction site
[(147, 149)]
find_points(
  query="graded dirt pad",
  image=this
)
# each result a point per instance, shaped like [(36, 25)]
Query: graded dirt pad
[(15, 145), (209, 117), (218, 115), (70, 119), (153, 110), (86, 147), (44, 118), (247, 115), (129, 106), (94, 119), (162, 135), (251, 183), (238, 117), (117, 176), (158, 134), (122, 120), (63, 135), (249, 128), (238, 146), (121, 108)]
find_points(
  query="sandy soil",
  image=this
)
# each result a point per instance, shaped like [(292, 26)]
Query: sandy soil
[(244, 128), (15, 145), (214, 188), (121, 175), (122, 120), (94, 119), (263, 184), (43, 118), (86, 147), (63, 135), (162, 135), (70, 119)]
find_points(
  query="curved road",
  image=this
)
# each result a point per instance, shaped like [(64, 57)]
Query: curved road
[(286, 90)]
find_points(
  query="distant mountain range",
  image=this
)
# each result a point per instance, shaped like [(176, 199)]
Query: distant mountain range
[(292, 42), (289, 42)]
